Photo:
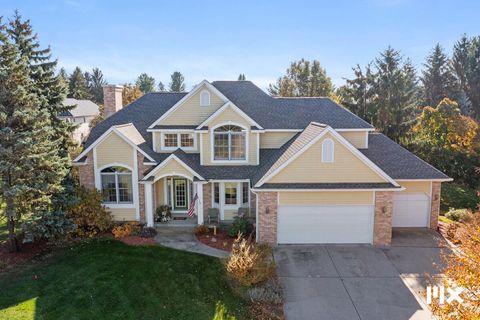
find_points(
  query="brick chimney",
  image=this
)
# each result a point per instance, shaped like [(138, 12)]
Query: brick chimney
[(112, 99)]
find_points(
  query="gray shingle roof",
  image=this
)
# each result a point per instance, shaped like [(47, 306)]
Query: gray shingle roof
[(287, 113), (82, 108), (365, 185), (398, 162)]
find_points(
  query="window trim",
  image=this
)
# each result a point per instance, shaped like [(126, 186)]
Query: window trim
[(117, 189), (221, 187), (328, 158), (212, 143), (209, 98), (179, 140)]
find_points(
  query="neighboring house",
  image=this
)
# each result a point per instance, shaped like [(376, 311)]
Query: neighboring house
[(309, 170), (82, 113)]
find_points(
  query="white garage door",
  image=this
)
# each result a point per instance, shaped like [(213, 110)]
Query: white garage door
[(411, 210), (325, 224)]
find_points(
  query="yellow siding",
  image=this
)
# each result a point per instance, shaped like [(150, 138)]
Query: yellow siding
[(326, 198), (173, 168), (159, 193), (229, 115), (357, 138), (270, 140), (207, 155), (123, 214), (190, 112), (229, 214), (114, 150), (309, 168), (415, 186)]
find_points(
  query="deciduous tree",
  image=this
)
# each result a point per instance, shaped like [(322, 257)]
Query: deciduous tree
[(130, 93)]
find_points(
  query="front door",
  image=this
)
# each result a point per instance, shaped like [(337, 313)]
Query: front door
[(180, 194)]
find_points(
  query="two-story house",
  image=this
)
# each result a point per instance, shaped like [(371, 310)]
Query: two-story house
[(309, 170)]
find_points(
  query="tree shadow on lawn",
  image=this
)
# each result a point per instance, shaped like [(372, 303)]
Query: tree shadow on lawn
[(106, 279)]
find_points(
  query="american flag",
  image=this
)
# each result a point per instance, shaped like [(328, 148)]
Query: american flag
[(191, 209)]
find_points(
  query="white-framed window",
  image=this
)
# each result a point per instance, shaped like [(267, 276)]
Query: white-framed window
[(116, 183), (327, 150), (229, 143), (204, 98), (216, 192), (231, 193), (245, 192), (183, 140)]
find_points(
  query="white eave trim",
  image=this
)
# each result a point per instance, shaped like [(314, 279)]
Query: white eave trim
[(105, 135), (188, 96), (166, 161), (354, 129), (326, 190), (343, 141), (222, 108), (418, 180)]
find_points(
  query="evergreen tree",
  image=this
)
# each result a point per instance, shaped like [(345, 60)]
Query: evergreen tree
[(396, 92), (77, 85), (30, 167), (241, 77), (437, 79), (161, 86), (62, 74), (358, 93), (145, 83), (177, 84), (303, 79), (96, 82), (466, 63)]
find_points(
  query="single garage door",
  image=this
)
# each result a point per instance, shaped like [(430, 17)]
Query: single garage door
[(325, 224), (411, 210)]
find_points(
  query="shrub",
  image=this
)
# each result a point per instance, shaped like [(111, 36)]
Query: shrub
[(90, 216), (163, 214), (239, 226), (148, 232), (459, 215), (458, 196), (49, 225), (270, 292), (201, 229), (250, 264)]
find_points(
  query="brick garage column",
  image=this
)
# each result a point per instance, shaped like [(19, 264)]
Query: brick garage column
[(207, 199), (267, 216), (86, 176), (382, 229), (435, 204), (141, 188)]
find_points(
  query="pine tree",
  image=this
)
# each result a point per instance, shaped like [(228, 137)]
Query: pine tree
[(466, 63), (161, 86), (62, 74), (30, 167), (241, 77), (145, 83), (437, 79), (77, 85), (177, 84), (303, 79), (95, 85)]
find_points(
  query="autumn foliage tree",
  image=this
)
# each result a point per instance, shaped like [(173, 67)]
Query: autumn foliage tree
[(130, 93), (462, 269)]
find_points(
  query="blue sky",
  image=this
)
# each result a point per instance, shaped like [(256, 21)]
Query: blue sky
[(217, 40)]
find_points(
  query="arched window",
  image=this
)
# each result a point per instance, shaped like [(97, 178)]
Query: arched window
[(204, 98), (327, 150), (229, 143), (116, 185)]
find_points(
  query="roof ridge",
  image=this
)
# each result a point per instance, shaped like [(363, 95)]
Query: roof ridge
[(316, 97)]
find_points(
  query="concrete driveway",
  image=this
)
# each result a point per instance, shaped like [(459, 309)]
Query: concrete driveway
[(359, 281)]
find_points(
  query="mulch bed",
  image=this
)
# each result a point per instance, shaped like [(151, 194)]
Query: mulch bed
[(27, 253), (138, 241), (219, 241)]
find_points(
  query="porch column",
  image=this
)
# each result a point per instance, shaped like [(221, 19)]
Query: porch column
[(149, 204), (199, 187)]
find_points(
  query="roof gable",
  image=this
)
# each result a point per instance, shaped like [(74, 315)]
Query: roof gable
[(172, 165), (301, 161), (228, 113)]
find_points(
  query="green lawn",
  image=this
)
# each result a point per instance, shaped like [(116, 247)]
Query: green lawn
[(107, 279)]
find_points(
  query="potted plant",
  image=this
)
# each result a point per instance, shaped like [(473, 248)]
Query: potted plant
[(163, 214)]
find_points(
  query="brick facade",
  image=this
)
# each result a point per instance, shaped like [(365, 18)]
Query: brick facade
[(267, 216), (86, 175), (382, 228), (112, 99), (207, 199), (435, 204)]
